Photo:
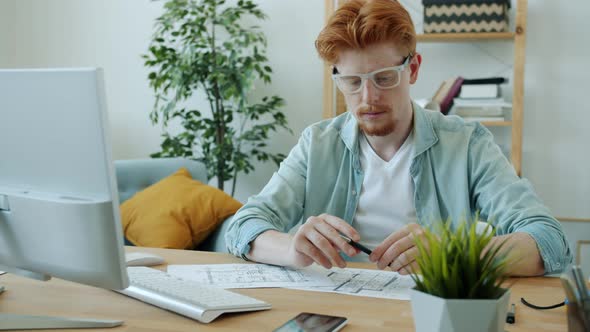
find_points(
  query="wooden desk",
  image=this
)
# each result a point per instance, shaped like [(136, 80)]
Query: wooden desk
[(62, 298)]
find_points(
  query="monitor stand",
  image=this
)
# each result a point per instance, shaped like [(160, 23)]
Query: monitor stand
[(27, 322)]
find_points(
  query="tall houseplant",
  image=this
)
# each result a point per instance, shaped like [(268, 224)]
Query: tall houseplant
[(203, 45), (459, 286)]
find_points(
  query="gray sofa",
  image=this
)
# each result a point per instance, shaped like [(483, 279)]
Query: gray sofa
[(137, 174)]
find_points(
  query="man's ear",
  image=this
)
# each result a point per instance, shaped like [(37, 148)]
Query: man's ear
[(415, 67)]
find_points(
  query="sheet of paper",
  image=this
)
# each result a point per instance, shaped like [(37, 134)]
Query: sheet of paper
[(363, 282), (2, 272), (250, 275)]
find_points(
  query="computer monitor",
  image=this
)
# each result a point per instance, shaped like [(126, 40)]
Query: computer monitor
[(59, 206)]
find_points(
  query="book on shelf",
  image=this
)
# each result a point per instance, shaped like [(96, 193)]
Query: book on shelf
[(446, 93), (485, 80), (483, 107), (443, 90), (482, 102), (447, 103), (479, 114), (428, 104), (480, 91), (477, 111)]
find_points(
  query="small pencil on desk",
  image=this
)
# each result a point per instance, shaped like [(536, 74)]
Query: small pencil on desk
[(356, 244)]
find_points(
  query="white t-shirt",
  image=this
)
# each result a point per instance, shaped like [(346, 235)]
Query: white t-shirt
[(386, 203)]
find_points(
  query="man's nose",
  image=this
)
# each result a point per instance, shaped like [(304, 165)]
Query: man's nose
[(370, 92)]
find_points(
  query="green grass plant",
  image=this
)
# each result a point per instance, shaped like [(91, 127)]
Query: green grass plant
[(457, 263)]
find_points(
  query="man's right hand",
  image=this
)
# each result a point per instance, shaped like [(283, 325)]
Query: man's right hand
[(318, 240)]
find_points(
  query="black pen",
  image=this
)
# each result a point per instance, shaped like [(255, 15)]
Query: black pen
[(356, 245)]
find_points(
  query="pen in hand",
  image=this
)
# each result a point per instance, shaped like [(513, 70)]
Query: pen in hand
[(356, 244)]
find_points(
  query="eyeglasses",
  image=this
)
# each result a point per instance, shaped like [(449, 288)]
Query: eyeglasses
[(384, 78)]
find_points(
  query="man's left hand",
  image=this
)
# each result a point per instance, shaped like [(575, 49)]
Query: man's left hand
[(399, 251)]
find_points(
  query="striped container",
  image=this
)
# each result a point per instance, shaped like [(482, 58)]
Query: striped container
[(444, 16)]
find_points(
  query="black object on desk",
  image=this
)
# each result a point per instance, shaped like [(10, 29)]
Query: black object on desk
[(356, 245), (511, 315)]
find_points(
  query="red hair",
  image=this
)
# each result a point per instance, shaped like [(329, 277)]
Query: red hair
[(361, 23)]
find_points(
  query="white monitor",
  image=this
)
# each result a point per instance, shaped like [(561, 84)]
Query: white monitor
[(59, 206)]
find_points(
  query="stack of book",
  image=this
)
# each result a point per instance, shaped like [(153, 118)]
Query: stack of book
[(481, 109), (480, 100)]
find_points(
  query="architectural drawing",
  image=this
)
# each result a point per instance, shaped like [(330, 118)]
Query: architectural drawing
[(360, 282), (249, 275), (363, 282)]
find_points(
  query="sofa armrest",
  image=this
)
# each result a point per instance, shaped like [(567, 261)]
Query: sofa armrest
[(216, 240)]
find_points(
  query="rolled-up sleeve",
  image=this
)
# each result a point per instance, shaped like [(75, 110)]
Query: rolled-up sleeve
[(279, 206), (510, 202)]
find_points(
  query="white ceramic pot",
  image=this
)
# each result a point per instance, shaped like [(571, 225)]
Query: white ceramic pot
[(432, 313)]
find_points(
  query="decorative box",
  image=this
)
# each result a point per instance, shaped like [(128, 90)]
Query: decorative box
[(465, 15)]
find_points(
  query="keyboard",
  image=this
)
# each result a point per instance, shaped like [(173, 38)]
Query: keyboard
[(185, 297)]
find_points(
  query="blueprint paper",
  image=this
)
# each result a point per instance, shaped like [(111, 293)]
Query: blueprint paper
[(364, 282), (358, 282), (250, 275)]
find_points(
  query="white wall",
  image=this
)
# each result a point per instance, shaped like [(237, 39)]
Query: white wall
[(7, 35), (291, 30), (92, 33), (112, 34), (557, 150), (556, 153)]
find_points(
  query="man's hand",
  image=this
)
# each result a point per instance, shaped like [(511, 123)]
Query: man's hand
[(399, 251), (318, 240), (523, 254)]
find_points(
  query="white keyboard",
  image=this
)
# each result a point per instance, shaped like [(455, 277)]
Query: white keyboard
[(185, 297)]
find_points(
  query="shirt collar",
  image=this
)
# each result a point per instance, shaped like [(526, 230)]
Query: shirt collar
[(424, 137)]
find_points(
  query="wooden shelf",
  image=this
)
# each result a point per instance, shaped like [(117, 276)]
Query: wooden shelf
[(464, 36)]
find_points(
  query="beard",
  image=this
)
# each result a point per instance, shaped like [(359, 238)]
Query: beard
[(383, 125)]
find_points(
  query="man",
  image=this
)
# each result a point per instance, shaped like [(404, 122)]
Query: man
[(380, 172)]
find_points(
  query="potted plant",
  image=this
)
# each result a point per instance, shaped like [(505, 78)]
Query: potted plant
[(205, 46), (459, 282)]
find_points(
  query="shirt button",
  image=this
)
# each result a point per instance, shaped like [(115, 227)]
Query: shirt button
[(354, 193)]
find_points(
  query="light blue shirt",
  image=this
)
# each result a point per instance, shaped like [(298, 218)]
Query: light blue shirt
[(457, 170)]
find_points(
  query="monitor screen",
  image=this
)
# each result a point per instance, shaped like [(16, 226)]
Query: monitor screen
[(59, 210)]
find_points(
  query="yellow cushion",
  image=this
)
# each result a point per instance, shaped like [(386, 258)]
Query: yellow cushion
[(176, 212)]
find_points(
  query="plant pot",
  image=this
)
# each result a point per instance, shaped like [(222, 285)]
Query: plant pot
[(432, 313)]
